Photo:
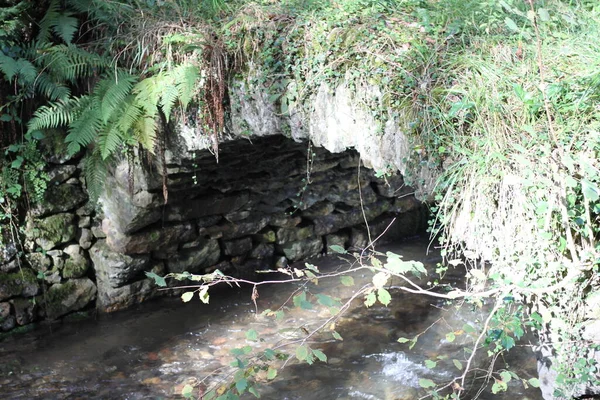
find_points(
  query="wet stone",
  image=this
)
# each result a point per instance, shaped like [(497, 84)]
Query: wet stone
[(285, 235), (195, 259), (8, 323), (20, 283), (295, 251), (338, 239), (237, 247), (262, 251), (86, 238), (38, 261), (25, 310), (52, 231), (115, 269)]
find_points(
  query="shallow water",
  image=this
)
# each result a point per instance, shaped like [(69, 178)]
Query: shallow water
[(152, 351)]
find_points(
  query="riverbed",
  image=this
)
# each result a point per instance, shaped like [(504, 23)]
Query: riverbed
[(154, 350)]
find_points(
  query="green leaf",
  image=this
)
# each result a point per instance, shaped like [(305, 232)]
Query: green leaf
[(252, 335), (271, 373), (159, 280), (187, 391), (327, 301), (241, 385), (506, 376), (590, 191), (458, 365), (347, 280), (204, 294), (370, 299), (380, 279), (450, 337), (270, 354), (187, 296), (253, 390), (384, 296), (499, 386), (544, 14), (403, 340), (337, 336), (302, 353), (320, 355), (426, 383), (511, 24), (468, 328), (430, 364), (338, 249), (535, 382)]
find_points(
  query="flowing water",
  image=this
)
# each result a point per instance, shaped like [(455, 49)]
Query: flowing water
[(152, 351)]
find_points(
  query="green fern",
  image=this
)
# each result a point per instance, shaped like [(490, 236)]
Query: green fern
[(94, 171), (62, 23), (116, 91), (53, 115)]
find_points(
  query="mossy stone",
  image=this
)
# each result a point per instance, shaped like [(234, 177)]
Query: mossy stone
[(20, 283), (51, 231)]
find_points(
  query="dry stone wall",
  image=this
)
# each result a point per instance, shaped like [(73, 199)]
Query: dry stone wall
[(266, 203)]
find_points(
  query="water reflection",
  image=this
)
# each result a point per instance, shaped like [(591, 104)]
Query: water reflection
[(151, 352)]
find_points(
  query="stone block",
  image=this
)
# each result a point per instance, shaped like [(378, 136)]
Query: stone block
[(157, 239), (60, 174), (262, 251), (337, 239), (38, 261), (86, 238), (237, 247), (304, 249), (237, 230), (19, 283), (59, 199), (76, 264), (51, 231), (194, 260), (285, 235), (116, 269), (25, 310), (64, 298), (216, 204)]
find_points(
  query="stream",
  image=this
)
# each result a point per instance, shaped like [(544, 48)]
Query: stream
[(155, 349)]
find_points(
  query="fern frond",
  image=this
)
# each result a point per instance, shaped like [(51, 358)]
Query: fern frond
[(128, 115), (85, 128), (147, 94), (186, 78), (167, 100), (52, 115), (66, 26), (8, 66), (52, 90), (109, 141), (48, 21), (68, 62), (118, 88), (94, 171), (27, 72), (144, 131)]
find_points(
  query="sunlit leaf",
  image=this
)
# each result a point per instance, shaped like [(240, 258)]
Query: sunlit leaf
[(403, 340), (506, 376), (271, 373), (430, 364), (159, 280), (337, 336), (370, 299), (187, 391), (252, 335), (241, 385), (338, 249), (535, 382), (187, 296), (384, 296), (450, 337), (302, 353), (458, 365), (347, 280), (252, 390), (320, 355), (204, 294), (380, 279), (426, 383)]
